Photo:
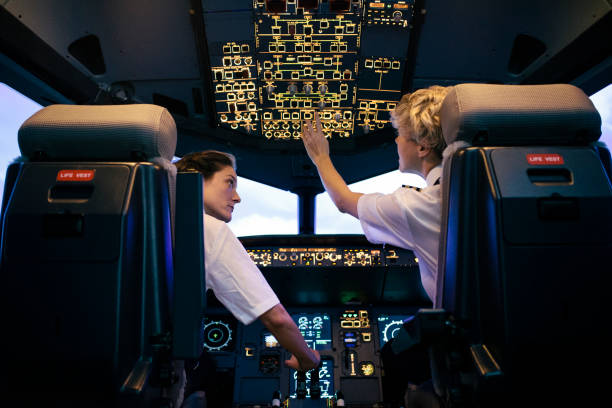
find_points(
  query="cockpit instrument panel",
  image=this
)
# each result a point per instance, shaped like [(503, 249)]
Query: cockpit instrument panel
[(389, 326), (327, 257), (326, 380), (218, 333), (298, 57), (315, 328)]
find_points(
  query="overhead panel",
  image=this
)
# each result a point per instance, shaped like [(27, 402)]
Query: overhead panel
[(344, 59)]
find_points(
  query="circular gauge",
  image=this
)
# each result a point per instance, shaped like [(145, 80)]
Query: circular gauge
[(392, 329), (217, 335), (366, 368)]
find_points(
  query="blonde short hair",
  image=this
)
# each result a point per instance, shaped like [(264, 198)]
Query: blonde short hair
[(419, 111)]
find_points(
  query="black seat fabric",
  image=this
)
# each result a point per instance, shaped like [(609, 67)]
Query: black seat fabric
[(87, 271), (525, 245)]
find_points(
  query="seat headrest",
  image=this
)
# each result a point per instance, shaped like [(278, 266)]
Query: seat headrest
[(137, 132), (506, 115)]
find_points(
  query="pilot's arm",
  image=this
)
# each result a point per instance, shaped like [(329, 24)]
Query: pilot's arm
[(282, 326), (242, 289), (317, 148)]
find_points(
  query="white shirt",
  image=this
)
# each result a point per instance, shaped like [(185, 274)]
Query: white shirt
[(408, 218), (232, 275)]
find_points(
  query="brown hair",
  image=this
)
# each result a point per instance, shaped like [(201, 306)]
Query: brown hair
[(207, 162)]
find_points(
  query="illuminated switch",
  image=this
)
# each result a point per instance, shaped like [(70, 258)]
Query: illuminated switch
[(235, 49), (249, 352), (320, 74), (267, 64), (218, 75), (227, 49), (276, 30), (395, 65), (316, 47), (244, 48), (295, 75), (337, 75), (227, 61), (347, 74), (378, 64), (307, 30), (339, 29), (333, 47), (299, 47), (387, 64), (248, 60), (308, 71), (237, 60), (366, 337)]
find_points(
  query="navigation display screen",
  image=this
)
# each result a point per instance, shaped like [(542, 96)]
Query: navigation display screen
[(326, 380), (316, 329), (389, 326)]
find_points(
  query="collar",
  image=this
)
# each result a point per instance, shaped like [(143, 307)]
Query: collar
[(434, 175)]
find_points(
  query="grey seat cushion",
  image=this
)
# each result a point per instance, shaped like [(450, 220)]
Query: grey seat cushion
[(99, 133), (505, 115)]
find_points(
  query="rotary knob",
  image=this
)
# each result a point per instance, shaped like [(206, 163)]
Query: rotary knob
[(322, 89), (270, 90), (397, 16), (307, 89), (322, 104), (292, 89)]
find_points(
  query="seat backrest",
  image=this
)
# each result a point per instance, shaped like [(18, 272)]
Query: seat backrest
[(87, 268), (525, 230)]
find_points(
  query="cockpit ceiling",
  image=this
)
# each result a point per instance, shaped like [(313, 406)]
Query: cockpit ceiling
[(242, 75)]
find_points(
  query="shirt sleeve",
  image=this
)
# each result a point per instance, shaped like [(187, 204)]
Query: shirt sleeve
[(384, 218), (232, 275)]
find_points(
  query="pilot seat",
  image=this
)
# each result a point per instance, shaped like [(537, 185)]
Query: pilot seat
[(521, 315), (98, 309)]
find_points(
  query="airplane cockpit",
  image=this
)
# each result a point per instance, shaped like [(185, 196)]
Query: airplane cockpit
[(104, 299)]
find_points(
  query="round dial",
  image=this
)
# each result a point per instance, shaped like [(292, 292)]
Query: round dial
[(217, 335), (391, 329)]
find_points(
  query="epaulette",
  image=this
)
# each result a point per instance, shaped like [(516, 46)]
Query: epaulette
[(412, 187)]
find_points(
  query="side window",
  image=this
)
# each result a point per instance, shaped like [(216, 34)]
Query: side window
[(15, 108), (264, 210), (328, 220), (603, 102)]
